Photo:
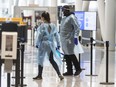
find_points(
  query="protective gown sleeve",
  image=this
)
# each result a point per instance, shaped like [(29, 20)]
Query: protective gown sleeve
[(75, 25), (39, 36)]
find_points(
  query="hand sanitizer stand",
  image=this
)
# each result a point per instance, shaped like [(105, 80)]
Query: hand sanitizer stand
[(9, 45)]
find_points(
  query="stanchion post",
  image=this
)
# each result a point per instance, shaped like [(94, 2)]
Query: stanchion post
[(91, 59), (17, 68), (22, 64), (107, 64), (91, 66), (8, 80), (79, 53), (0, 70)]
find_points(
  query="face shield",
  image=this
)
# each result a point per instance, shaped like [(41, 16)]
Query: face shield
[(66, 10)]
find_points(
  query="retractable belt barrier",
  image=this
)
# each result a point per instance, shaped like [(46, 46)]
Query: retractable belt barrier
[(107, 43)]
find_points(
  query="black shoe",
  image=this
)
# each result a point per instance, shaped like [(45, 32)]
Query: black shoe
[(37, 77), (61, 77), (77, 72), (67, 74)]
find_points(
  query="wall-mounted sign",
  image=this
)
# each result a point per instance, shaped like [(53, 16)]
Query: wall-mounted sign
[(86, 20)]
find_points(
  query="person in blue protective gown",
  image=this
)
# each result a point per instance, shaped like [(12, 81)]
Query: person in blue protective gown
[(46, 36), (69, 31)]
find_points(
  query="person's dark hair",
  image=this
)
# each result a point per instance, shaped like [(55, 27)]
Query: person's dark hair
[(66, 7), (46, 16)]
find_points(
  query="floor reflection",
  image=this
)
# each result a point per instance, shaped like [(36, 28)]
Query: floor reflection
[(50, 78)]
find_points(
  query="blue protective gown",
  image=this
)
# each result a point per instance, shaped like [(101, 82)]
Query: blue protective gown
[(46, 40), (68, 30)]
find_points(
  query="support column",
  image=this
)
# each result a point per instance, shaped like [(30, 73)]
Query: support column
[(78, 5), (39, 2), (101, 13), (47, 2), (31, 1), (59, 2), (110, 23), (10, 8), (31, 13), (16, 2), (85, 33), (21, 3), (53, 3), (85, 6), (50, 3)]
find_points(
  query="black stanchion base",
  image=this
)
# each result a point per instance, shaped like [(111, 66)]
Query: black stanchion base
[(20, 77), (19, 85), (91, 75), (107, 83), (82, 68)]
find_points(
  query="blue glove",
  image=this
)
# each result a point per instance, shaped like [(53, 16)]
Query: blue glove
[(58, 47), (36, 46), (75, 41)]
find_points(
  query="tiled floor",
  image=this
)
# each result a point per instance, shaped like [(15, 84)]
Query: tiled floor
[(50, 78)]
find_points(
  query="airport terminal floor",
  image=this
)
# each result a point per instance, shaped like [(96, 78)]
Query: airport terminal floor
[(50, 78)]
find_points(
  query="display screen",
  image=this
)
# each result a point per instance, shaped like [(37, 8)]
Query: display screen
[(86, 20), (9, 42)]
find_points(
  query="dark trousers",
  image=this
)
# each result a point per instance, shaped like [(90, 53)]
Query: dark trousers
[(68, 64), (54, 64), (40, 69), (71, 60)]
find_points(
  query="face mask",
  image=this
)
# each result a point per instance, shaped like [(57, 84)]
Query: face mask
[(66, 12)]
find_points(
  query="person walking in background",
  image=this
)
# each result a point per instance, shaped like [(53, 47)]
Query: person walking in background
[(47, 34), (69, 31)]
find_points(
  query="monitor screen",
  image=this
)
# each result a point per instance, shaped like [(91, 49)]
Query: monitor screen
[(86, 20)]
